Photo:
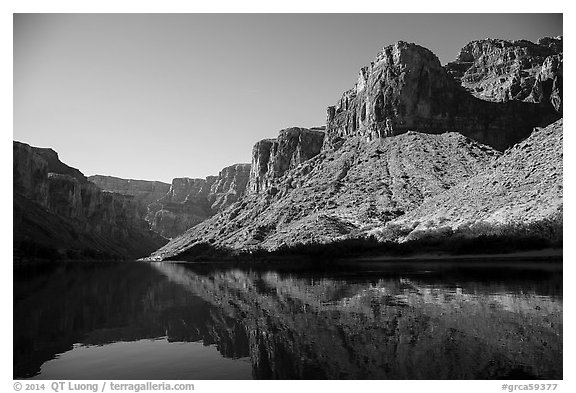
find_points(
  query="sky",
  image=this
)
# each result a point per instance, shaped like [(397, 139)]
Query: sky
[(159, 96)]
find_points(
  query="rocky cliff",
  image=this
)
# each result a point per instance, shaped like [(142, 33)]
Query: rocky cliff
[(386, 152), (229, 186), (191, 201), (185, 205), (272, 158), (144, 192), (406, 88), (58, 213), (499, 70)]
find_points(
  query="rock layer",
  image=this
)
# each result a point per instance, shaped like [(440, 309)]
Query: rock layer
[(58, 213), (229, 186), (272, 158), (191, 201), (143, 191), (406, 88), (499, 70), (185, 205)]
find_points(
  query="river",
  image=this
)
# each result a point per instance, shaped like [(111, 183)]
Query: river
[(404, 320)]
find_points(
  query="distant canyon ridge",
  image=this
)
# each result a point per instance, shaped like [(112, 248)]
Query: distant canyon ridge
[(395, 162)]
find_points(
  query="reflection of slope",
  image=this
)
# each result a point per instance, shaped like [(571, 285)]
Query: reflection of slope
[(389, 328)]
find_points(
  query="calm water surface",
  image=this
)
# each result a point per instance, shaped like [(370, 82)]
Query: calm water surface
[(380, 321)]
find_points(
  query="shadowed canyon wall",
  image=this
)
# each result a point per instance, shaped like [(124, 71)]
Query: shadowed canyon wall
[(58, 213)]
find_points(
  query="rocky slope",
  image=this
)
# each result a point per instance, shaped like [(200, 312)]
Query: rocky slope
[(58, 213), (229, 186), (144, 192), (338, 193), (406, 88), (500, 70), (523, 186)]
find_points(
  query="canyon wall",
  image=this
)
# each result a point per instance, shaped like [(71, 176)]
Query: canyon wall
[(229, 186), (271, 158), (406, 88), (143, 191), (191, 201), (409, 131), (499, 70), (58, 212)]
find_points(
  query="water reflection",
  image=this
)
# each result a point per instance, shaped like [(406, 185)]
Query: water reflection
[(418, 321)]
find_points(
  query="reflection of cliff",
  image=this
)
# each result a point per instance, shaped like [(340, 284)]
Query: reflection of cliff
[(309, 325), (97, 304), (389, 328)]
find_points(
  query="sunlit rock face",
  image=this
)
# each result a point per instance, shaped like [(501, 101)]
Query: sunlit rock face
[(272, 158), (406, 88), (49, 194), (188, 202), (499, 70), (229, 186)]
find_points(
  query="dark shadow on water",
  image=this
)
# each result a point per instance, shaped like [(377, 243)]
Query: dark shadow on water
[(420, 320)]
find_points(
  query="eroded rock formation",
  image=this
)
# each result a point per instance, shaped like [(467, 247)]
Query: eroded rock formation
[(272, 158), (143, 191), (406, 88), (59, 214), (191, 201), (499, 70), (185, 205), (229, 186), (379, 162)]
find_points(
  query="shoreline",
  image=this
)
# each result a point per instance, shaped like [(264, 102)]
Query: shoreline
[(554, 256), (544, 254)]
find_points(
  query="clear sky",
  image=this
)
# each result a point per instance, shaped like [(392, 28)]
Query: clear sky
[(158, 96)]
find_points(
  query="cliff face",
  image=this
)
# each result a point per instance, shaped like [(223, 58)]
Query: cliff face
[(500, 71), (405, 88), (386, 152), (143, 191), (185, 205), (49, 194), (229, 186), (191, 201), (272, 158)]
